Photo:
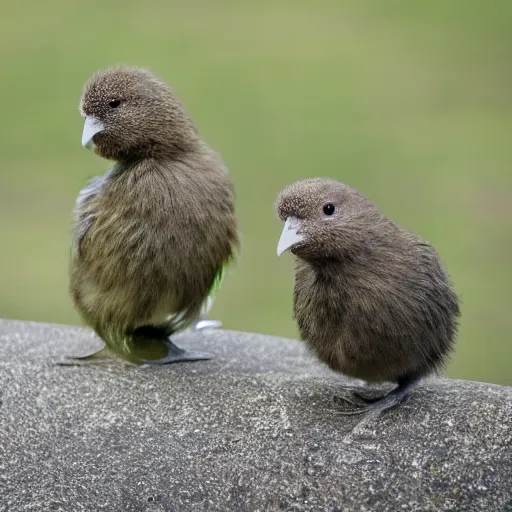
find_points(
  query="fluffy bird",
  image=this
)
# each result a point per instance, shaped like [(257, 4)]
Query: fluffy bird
[(153, 235), (371, 300)]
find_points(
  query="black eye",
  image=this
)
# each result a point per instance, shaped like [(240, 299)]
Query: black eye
[(114, 103), (329, 209)]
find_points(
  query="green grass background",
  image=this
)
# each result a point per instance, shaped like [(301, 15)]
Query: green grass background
[(411, 102)]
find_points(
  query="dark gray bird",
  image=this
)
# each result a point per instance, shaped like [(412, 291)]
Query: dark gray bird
[(154, 234), (371, 300)]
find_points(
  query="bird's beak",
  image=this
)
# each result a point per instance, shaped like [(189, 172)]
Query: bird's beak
[(290, 235), (92, 126)]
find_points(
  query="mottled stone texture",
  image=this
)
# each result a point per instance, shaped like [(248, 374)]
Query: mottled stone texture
[(256, 429)]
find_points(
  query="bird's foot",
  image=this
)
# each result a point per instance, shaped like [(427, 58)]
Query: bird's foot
[(382, 403), (203, 323), (176, 354), (103, 355)]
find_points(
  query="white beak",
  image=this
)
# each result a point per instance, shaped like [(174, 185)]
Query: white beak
[(92, 126), (290, 235)]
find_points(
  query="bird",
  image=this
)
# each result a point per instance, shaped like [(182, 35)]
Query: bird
[(153, 236), (371, 299)]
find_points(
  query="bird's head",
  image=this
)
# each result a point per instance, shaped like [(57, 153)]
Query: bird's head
[(323, 218), (130, 114)]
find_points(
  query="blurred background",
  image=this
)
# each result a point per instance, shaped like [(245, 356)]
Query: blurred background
[(411, 102)]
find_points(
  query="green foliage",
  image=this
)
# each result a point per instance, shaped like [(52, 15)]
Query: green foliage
[(408, 101)]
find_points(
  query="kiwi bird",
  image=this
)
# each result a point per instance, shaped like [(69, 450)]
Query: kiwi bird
[(371, 299), (153, 235)]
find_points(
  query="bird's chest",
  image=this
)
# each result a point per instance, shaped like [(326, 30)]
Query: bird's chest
[(324, 310), (320, 303), (114, 215)]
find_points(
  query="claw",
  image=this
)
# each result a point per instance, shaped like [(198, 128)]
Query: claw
[(176, 354), (383, 403)]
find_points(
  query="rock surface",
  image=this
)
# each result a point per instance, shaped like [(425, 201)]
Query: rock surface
[(256, 429)]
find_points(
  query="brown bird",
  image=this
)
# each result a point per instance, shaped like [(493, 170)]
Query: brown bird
[(153, 235), (371, 300)]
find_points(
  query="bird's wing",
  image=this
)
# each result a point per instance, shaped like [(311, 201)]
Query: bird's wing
[(84, 217)]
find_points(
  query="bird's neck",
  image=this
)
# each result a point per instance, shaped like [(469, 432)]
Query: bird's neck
[(336, 269), (325, 268), (174, 149)]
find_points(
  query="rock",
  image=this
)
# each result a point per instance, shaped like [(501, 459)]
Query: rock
[(256, 429)]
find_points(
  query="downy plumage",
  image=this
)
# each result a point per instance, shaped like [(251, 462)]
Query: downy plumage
[(371, 300), (154, 234)]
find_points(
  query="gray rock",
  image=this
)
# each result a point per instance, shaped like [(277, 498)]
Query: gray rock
[(256, 429)]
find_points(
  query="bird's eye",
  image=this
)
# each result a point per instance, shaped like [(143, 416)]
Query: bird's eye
[(114, 103), (329, 209)]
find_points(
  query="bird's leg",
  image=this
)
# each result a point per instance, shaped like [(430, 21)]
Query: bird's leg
[(98, 356), (149, 345), (388, 401), (153, 346), (176, 354)]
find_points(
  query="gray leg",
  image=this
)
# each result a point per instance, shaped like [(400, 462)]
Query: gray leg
[(383, 403), (176, 354), (149, 345), (153, 346)]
